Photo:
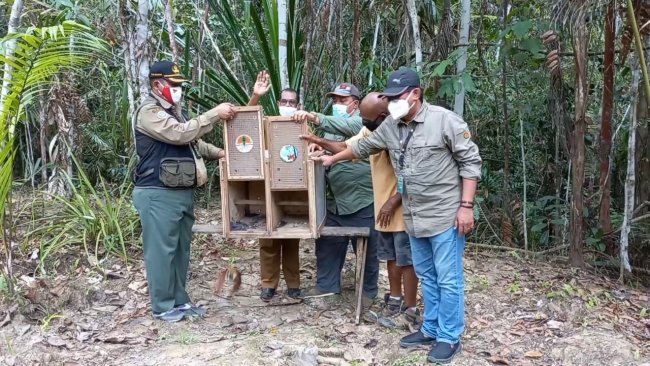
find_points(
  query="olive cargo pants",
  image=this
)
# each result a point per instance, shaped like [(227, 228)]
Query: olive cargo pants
[(276, 253), (167, 216)]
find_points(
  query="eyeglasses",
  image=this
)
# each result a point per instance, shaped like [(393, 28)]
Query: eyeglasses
[(288, 102), (380, 118)]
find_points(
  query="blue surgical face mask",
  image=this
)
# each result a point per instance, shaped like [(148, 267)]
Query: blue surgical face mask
[(340, 110)]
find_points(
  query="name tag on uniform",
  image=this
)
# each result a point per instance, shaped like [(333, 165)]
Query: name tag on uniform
[(400, 184)]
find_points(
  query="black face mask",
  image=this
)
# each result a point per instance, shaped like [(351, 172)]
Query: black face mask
[(373, 125)]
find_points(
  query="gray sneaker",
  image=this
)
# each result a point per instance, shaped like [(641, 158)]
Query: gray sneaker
[(391, 307), (170, 316), (408, 319), (191, 310)]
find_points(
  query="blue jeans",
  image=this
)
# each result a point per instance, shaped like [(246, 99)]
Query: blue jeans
[(438, 262)]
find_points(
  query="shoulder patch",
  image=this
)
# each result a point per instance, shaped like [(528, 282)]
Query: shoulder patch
[(161, 114), (467, 135)]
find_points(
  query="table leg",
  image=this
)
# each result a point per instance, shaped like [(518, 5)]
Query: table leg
[(362, 245)]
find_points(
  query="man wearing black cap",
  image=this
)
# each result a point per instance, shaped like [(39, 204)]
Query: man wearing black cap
[(170, 165), (350, 198), (437, 167)]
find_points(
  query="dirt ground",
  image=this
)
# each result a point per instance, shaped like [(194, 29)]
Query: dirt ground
[(517, 313)]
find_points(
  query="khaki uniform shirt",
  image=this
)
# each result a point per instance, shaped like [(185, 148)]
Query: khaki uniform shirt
[(384, 185), (438, 155), (156, 123)]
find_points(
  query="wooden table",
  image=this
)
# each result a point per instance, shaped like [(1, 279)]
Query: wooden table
[(361, 233)]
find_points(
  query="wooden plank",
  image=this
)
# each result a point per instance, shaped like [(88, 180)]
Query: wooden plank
[(250, 202), (345, 231), (362, 246), (225, 203), (247, 108), (292, 203), (270, 210), (245, 163), (313, 197), (256, 192), (207, 229), (319, 189)]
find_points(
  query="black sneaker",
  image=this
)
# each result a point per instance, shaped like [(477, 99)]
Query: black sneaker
[(443, 352), (267, 294), (294, 293), (415, 340)]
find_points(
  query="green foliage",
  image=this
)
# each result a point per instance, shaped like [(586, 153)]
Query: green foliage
[(103, 219), (40, 53), (253, 33)]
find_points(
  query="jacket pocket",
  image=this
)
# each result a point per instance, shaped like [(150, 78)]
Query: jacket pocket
[(178, 172)]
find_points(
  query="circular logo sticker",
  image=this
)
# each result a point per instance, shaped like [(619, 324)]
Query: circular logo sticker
[(244, 143), (288, 153)]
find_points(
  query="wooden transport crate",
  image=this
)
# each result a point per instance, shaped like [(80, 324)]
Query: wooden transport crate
[(244, 206), (300, 213), (251, 209), (245, 145), (287, 153)]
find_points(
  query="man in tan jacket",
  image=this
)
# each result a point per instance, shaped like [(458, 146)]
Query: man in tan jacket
[(170, 165)]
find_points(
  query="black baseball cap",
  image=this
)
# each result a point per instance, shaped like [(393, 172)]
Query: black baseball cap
[(400, 81), (167, 70), (345, 90)]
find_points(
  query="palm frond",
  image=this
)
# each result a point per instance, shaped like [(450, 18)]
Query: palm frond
[(40, 53)]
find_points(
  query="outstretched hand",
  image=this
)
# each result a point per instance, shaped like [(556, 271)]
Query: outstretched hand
[(262, 84)]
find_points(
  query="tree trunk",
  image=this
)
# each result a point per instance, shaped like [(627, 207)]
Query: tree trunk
[(282, 43), (374, 48), (579, 35), (642, 151), (462, 59), (169, 18), (628, 212), (605, 147), (311, 23), (142, 49), (128, 46), (43, 128), (7, 231), (14, 23), (356, 39), (415, 25), (506, 220)]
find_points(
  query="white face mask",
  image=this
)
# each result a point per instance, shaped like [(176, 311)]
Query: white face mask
[(340, 110), (177, 93), (287, 111), (399, 108)]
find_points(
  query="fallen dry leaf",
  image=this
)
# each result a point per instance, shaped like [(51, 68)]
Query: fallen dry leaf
[(6, 320), (112, 338), (56, 341), (498, 360), (533, 354)]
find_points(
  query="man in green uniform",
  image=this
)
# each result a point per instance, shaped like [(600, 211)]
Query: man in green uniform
[(350, 200), (170, 166)]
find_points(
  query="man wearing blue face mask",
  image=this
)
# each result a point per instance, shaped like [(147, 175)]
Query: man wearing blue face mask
[(350, 198)]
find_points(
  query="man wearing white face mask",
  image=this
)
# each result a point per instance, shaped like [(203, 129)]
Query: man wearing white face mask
[(437, 167), (278, 255), (170, 165), (350, 198)]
